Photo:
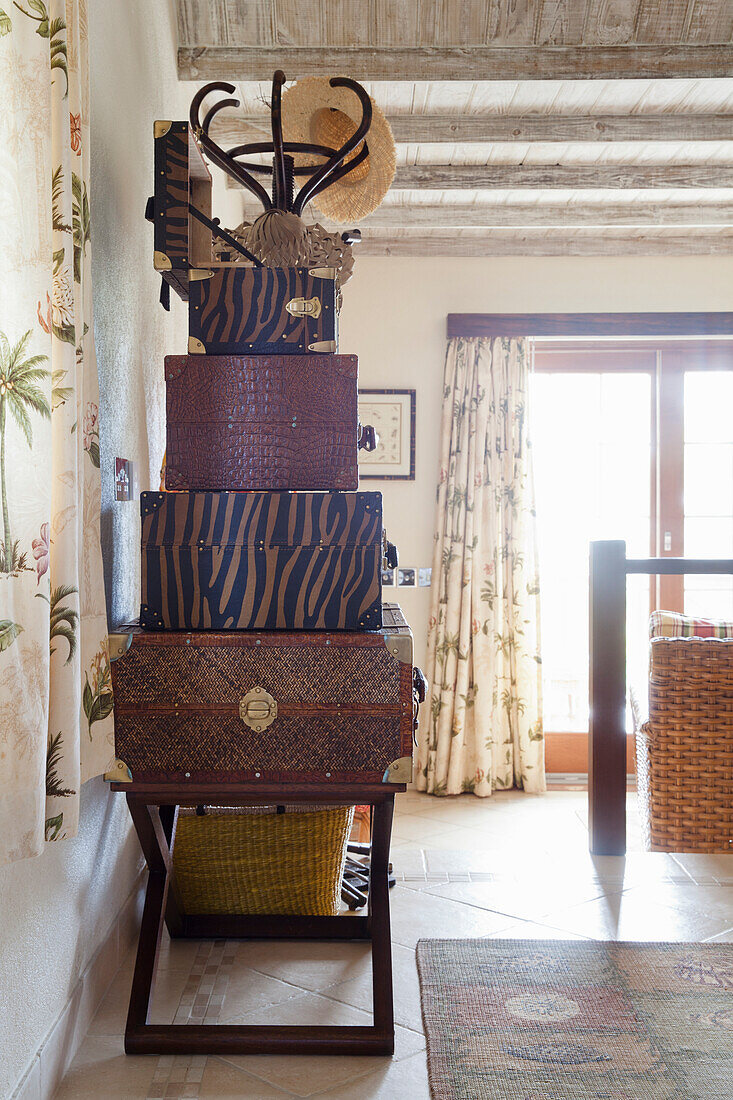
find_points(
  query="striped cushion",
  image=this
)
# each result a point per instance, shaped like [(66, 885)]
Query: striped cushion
[(670, 624)]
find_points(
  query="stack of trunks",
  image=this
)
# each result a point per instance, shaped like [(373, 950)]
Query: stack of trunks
[(263, 653)]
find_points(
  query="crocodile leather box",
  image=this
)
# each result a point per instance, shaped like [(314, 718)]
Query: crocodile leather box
[(261, 422)]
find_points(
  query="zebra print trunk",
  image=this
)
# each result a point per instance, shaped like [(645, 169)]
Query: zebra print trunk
[(261, 561), (181, 176), (253, 311)]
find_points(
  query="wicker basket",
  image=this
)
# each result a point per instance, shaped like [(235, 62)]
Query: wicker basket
[(238, 861), (684, 753)]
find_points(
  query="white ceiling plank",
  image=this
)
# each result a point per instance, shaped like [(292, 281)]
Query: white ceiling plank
[(512, 22), (298, 24), (709, 21), (349, 23), (610, 22), (251, 22), (202, 24), (396, 22)]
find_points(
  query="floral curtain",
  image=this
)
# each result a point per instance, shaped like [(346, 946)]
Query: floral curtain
[(482, 722), (55, 693)]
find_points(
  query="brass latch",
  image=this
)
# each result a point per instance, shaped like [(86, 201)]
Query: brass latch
[(257, 709), (304, 307)]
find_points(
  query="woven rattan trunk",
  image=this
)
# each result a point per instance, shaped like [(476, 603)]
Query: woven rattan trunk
[(300, 706), (684, 753)]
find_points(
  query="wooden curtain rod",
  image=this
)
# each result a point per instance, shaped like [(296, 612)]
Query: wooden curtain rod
[(590, 324)]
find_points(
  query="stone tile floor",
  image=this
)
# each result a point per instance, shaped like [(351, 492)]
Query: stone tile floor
[(512, 866)]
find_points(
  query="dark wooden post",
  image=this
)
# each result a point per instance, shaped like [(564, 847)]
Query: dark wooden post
[(607, 741)]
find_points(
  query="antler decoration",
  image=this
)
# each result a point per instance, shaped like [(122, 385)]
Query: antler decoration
[(224, 160), (283, 169)]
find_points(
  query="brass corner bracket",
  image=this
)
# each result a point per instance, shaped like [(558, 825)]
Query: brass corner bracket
[(400, 646), (118, 645), (118, 773), (399, 771)]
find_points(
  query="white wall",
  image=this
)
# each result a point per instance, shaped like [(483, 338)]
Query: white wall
[(394, 319), (58, 910)]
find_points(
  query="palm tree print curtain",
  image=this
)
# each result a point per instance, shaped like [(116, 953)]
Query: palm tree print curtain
[(55, 694), (482, 722)]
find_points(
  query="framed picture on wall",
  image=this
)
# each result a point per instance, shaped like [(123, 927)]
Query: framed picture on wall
[(392, 415)]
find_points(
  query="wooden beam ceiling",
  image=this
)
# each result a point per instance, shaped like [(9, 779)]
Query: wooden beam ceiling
[(434, 245), (634, 215), (569, 177), (457, 62), (387, 23), (540, 177), (469, 129), (480, 70)]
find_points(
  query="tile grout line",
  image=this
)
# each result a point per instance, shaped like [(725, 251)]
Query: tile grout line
[(179, 1076)]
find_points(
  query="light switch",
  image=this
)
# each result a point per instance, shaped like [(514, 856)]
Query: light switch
[(124, 487)]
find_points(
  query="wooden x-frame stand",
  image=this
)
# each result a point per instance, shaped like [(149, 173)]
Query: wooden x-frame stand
[(154, 811)]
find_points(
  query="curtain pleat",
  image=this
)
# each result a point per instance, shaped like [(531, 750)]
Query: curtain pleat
[(481, 727)]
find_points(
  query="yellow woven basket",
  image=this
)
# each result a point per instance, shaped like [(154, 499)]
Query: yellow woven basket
[(263, 862)]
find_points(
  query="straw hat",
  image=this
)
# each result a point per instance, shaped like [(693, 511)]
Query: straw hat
[(314, 112)]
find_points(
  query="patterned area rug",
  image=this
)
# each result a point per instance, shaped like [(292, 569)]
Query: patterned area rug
[(556, 1020)]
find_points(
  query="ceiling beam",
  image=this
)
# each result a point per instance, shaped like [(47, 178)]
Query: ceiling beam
[(465, 129), (546, 246), (457, 62), (543, 215), (538, 177), (570, 177)]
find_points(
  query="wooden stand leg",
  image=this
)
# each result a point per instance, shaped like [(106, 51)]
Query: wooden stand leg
[(173, 907), (156, 832), (151, 928), (379, 923)]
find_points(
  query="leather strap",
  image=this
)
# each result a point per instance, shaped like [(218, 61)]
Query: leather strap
[(391, 557), (419, 683)]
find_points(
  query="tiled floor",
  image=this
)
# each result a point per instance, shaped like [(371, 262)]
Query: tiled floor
[(511, 866)]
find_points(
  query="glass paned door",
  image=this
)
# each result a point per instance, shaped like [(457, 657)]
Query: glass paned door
[(592, 441), (708, 488)]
